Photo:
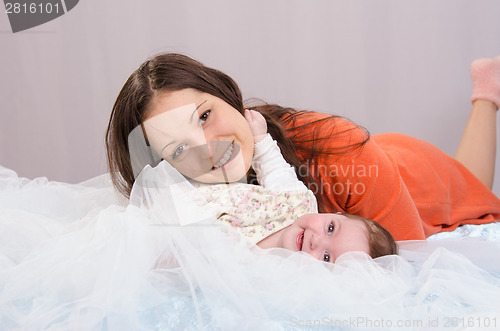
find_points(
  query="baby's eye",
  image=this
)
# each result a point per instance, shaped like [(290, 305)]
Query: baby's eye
[(204, 116), (177, 152), (331, 227), (326, 257)]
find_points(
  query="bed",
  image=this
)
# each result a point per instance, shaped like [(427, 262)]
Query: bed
[(79, 257)]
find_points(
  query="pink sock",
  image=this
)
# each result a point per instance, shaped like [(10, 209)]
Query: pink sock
[(485, 74)]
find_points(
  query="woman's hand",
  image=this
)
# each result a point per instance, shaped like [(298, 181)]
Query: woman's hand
[(257, 124)]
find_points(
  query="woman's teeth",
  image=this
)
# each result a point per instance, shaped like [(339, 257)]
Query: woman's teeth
[(225, 157)]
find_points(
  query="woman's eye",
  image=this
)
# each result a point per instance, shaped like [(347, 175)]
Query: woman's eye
[(177, 152), (204, 116), (331, 227), (326, 257)]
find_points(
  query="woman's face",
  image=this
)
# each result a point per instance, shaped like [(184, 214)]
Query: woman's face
[(200, 135), (324, 236)]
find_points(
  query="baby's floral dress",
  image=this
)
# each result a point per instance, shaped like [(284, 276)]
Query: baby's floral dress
[(255, 212)]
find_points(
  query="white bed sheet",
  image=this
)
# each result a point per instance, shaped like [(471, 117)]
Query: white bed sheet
[(79, 257)]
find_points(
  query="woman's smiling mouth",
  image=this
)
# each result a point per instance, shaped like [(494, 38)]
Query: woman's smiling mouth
[(226, 157)]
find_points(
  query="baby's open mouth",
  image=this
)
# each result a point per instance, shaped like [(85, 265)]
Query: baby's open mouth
[(300, 241)]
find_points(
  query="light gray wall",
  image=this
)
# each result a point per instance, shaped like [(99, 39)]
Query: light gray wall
[(388, 65)]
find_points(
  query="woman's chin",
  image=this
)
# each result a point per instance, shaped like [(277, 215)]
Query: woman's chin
[(217, 179), (233, 171), (222, 176)]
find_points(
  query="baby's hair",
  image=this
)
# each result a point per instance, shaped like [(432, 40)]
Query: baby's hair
[(380, 240)]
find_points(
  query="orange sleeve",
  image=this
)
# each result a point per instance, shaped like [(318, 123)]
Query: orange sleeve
[(364, 181)]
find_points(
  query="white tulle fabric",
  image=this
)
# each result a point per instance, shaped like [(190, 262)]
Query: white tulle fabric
[(77, 257)]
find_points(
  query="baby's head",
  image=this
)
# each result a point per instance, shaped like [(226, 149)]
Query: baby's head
[(327, 236), (380, 241)]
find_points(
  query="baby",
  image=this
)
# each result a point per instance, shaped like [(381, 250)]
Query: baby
[(282, 212)]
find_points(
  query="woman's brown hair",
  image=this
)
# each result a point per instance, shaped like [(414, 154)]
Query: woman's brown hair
[(173, 72), (302, 140)]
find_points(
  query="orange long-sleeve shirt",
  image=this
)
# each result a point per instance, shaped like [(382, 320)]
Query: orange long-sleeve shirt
[(408, 185)]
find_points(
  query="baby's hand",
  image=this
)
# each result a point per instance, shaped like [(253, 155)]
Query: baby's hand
[(257, 124)]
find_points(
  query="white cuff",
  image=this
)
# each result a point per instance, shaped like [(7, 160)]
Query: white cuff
[(264, 145)]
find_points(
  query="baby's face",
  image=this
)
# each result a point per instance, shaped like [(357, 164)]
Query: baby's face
[(325, 236)]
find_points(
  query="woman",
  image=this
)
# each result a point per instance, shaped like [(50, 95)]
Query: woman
[(407, 185)]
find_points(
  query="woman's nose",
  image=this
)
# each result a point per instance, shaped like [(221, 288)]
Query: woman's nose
[(199, 145), (198, 138), (199, 153)]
